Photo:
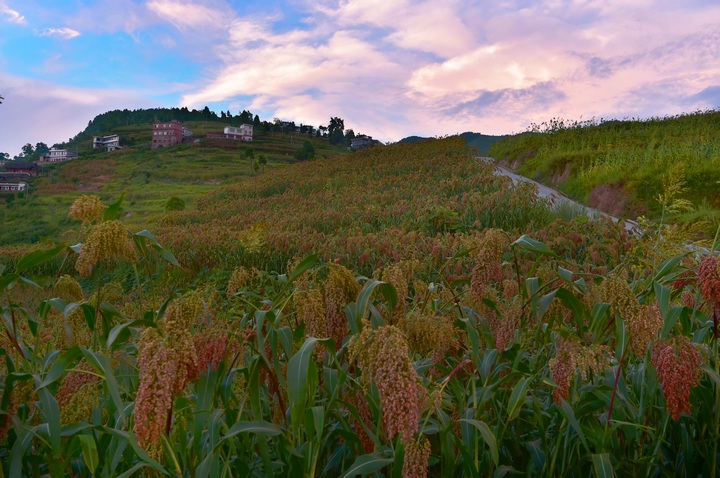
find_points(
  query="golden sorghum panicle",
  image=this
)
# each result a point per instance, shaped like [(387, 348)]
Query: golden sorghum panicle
[(417, 455), (310, 308), (399, 276), (430, 335), (107, 240), (341, 288), (678, 366), (643, 328), (592, 359), (709, 279), (87, 209), (618, 294), (562, 368), (158, 370), (510, 289), (383, 359), (68, 289), (240, 278)]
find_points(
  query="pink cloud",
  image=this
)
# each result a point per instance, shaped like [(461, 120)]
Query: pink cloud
[(13, 16)]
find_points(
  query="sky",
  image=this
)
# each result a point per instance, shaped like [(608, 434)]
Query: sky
[(389, 68)]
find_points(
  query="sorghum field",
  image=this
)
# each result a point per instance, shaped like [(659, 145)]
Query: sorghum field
[(397, 312)]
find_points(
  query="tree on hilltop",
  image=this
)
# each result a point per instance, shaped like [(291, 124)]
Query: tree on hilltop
[(335, 130)]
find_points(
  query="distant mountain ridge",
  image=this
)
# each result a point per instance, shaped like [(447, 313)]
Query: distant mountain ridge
[(482, 142)]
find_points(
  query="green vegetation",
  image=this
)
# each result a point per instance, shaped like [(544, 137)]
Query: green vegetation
[(481, 142), (400, 311), (147, 177), (618, 166)]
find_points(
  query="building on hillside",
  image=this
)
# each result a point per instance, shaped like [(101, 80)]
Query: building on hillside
[(244, 132), (187, 134), (57, 155), (110, 142), (22, 167), (167, 134), (363, 142), (12, 187)]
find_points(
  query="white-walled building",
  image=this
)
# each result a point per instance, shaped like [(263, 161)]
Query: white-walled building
[(110, 142), (58, 155)]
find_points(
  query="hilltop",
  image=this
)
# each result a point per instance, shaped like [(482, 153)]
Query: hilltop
[(481, 142)]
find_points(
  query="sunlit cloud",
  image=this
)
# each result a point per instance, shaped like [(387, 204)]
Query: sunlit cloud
[(187, 14), (64, 33), (12, 16)]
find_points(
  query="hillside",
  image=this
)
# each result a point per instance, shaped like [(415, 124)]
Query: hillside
[(147, 177), (620, 166), (401, 310), (482, 142)]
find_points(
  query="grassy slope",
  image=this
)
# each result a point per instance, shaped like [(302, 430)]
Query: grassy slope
[(482, 142), (629, 157), (148, 178)]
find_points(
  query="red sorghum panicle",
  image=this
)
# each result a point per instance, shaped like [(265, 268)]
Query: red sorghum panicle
[(87, 209), (77, 394), (709, 280), (180, 316), (358, 400), (107, 240), (688, 299), (382, 355), (562, 368), (211, 346), (341, 288), (643, 328), (415, 462), (158, 370), (487, 255), (678, 367), (504, 327)]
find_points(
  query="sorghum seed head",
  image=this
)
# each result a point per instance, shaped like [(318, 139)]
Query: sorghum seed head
[(68, 289), (678, 366), (107, 240), (417, 455), (87, 209)]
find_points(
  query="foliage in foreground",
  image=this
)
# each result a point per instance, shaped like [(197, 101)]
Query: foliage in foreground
[(591, 352)]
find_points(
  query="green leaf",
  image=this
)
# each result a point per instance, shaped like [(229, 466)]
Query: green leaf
[(488, 437), (667, 267), (167, 255), (38, 257), (89, 450), (569, 415), (672, 317), (365, 464), (51, 412), (527, 243), (304, 265), (102, 365), (113, 211), (663, 298), (115, 331), (298, 377), (363, 300), (132, 440), (8, 280), (60, 365), (565, 274), (259, 426), (603, 466), (517, 398)]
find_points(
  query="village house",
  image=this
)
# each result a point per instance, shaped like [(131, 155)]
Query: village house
[(362, 142), (110, 142), (244, 132), (58, 155), (12, 187), (22, 167)]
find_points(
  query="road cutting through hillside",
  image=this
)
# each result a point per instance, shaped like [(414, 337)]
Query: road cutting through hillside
[(556, 197)]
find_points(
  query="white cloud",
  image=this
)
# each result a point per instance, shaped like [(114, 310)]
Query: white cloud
[(188, 14), (64, 33), (13, 16), (36, 111)]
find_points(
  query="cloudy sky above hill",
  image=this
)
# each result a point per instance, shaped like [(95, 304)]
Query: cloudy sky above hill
[(390, 68)]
